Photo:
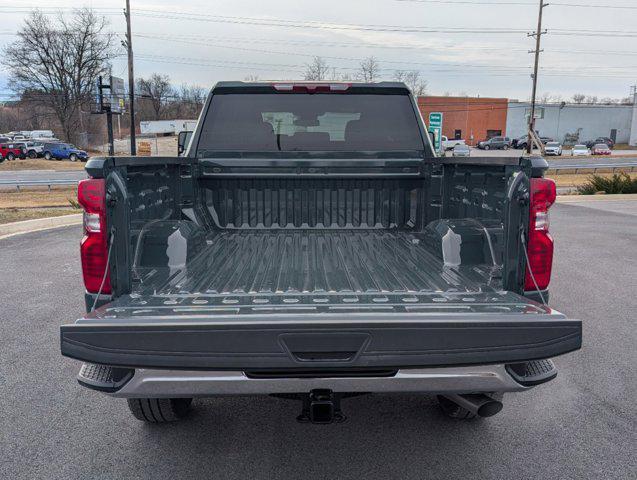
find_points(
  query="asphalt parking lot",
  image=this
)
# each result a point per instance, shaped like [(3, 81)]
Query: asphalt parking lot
[(582, 425)]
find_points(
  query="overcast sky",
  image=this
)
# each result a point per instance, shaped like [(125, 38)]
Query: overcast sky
[(198, 42)]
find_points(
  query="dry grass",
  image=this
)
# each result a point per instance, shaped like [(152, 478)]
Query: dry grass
[(9, 215), (574, 180), (38, 197), (40, 164)]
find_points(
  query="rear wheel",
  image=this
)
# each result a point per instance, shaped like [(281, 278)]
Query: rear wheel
[(505, 147), (47, 155), (32, 154), (159, 410), (10, 156), (453, 410), (487, 147)]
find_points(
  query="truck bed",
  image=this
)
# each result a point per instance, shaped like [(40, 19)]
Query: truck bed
[(316, 262)]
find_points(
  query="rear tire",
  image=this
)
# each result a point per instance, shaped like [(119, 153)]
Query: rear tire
[(487, 147), (505, 147), (10, 156), (73, 157), (452, 410), (159, 410), (32, 154)]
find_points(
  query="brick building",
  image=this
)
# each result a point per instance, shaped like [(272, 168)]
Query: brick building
[(470, 118)]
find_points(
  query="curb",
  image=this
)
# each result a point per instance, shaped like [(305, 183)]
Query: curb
[(597, 198), (37, 224)]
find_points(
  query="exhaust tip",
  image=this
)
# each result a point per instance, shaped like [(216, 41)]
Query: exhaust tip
[(489, 409)]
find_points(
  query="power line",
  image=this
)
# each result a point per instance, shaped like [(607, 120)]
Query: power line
[(277, 22), (441, 66), (514, 3)]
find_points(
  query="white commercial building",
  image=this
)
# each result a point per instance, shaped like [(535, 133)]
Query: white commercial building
[(571, 122)]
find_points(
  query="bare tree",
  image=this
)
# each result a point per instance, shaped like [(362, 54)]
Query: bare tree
[(591, 99), (251, 78), (579, 98), (157, 90), (411, 78), (317, 69), (190, 100), (56, 61), (369, 70), (544, 98)]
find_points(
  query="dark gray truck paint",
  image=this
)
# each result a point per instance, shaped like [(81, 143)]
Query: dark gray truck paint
[(322, 259)]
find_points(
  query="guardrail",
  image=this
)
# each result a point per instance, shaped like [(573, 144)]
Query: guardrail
[(37, 183), (594, 166), (568, 166)]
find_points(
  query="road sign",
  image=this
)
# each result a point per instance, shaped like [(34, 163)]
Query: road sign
[(117, 94), (435, 119), (435, 128), (110, 96)]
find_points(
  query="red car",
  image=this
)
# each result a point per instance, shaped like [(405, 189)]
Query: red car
[(11, 151), (600, 149)]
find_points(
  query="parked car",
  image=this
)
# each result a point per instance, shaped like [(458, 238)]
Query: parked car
[(61, 151), (609, 142), (11, 151), (449, 144), (523, 141), (553, 148), (315, 277), (580, 150), (495, 143), (600, 149), (461, 150), (33, 149)]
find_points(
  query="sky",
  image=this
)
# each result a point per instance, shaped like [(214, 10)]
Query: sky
[(467, 47)]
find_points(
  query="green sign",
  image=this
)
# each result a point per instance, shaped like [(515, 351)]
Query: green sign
[(435, 129), (435, 119)]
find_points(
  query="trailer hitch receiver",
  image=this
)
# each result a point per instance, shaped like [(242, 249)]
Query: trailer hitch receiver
[(321, 406)]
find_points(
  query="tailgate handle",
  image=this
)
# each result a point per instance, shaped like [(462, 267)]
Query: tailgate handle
[(323, 356), (324, 347)]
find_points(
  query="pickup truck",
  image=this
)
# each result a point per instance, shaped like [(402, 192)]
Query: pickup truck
[(309, 245), (449, 144)]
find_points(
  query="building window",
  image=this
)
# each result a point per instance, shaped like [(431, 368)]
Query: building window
[(457, 134), (494, 133)]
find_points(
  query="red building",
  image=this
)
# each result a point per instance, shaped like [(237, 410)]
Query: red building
[(470, 118)]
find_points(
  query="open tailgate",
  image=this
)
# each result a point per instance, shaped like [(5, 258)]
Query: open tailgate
[(274, 332)]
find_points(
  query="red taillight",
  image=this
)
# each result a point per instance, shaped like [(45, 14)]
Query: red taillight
[(91, 194), (540, 247)]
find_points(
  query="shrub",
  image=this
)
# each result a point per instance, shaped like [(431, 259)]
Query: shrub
[(618, 183)]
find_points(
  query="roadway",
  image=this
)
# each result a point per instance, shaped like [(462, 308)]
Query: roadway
[(581, 425), (9, 178)]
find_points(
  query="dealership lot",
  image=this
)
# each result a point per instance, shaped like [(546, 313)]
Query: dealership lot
[(582, 425)]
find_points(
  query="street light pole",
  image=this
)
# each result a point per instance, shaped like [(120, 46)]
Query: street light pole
[(131, 79), (538, 35)]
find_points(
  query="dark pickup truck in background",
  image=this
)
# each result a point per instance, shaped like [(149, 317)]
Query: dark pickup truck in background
[(310, 245)]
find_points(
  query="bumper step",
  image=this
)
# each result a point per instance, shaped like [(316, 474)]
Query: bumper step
[(533, 373), (103, 377)]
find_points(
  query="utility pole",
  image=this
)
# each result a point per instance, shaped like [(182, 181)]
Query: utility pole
[(538, 35), (131, 79)]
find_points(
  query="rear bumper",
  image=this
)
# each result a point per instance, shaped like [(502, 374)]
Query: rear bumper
[(147, 383)]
